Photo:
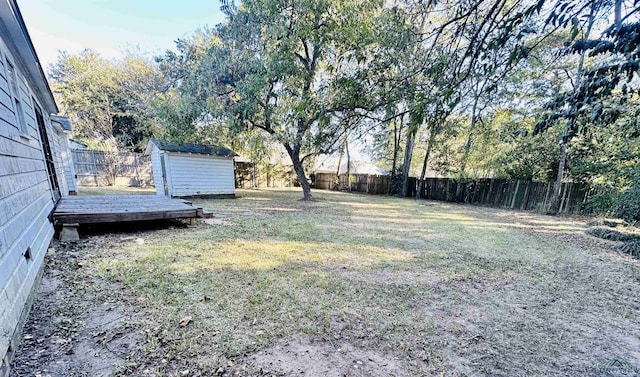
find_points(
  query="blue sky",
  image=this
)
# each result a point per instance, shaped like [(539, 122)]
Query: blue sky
[(111, 26)]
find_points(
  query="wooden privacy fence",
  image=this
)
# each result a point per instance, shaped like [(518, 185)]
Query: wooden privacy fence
[(100, 168), (371, 184), (515, 194)]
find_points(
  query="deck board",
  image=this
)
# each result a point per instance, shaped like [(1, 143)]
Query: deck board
[(121, 208)]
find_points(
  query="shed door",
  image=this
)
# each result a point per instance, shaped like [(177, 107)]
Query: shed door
[(48, 156)]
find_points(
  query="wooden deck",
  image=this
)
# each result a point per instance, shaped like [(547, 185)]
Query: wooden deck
[(121, 208)]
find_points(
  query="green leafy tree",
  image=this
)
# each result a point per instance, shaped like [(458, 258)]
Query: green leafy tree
[(454, 42), (108, 100), (584, 105), (290, 69)]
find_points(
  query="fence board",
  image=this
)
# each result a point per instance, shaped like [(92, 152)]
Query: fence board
[(514, 194), (100, 168), (372, 184)]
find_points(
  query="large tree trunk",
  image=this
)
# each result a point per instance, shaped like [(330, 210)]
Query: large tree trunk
[(395, 156), (554, 207), (346, 149), (294, 153), (338, 169), (618, 14), (467, 145), (432, 139), (408, 155), (397, 136)]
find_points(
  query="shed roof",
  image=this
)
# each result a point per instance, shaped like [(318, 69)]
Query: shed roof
[(63, 121), (212, 150), (75, 144)]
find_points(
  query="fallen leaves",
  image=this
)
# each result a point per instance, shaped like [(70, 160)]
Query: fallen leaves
[(185, 321)]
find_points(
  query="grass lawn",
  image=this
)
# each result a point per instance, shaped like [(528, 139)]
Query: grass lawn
[(357, 285)]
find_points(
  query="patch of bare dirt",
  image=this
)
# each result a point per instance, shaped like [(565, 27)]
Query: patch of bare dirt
[(308, 357), (69, 332), (563, 328), (107, 340)]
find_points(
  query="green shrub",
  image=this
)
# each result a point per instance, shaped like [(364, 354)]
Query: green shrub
[(628, 206), (632, 248), (611, 202), (603, 203), (612, 234)]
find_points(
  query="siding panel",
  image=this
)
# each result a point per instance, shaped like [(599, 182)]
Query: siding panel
[(14, 147), (156, 166), (16, 165), (56, 148), (67, 165), (25, 203), (11, 205), (11, 185), (200, 175), (4, 85)]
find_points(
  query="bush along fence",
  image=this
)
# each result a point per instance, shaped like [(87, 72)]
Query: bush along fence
[(514, 194), (103, 168)]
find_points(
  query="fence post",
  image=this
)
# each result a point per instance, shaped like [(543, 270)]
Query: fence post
[(135, 167), (95, 167), (567, 206), (525, 199), (486, 197), (546, 198), (515, 194), (506, 192), (563, 193)]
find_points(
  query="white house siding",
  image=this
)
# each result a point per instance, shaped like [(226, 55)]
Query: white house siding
[(63, 159), (194, 174), (156, 166), (56, 139), (25, 202), (67, 164)]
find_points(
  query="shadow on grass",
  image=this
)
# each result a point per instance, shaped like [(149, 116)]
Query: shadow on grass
[(132, 227)]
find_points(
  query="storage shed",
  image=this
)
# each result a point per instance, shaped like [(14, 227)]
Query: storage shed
[(186, 170)]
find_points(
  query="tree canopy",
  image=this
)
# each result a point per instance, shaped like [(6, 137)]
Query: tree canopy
[(108, 100), (289, 69), (542, 90)]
